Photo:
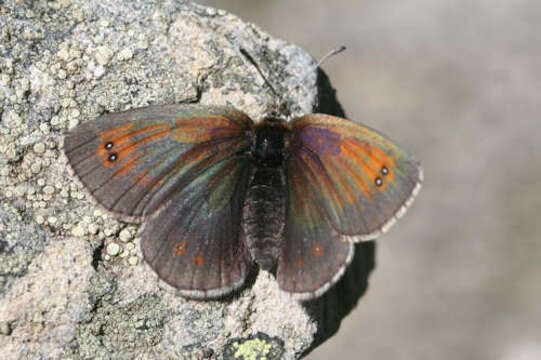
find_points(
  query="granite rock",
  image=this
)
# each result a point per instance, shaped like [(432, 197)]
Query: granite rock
[(72, 283)]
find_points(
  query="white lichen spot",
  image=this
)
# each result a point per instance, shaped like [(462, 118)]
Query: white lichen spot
[(133, 260), (93, 229), (49, 190), (125, 54), (78, 230), (44, 128), (31, 190), (24, 84), (39, 148), (142, 43), (52, 220), (13, 120), (113, 249), (63, 54), (75, 53), (103, 55), (72, 123), (5, 79), (11, 152), (79, 15), (125, 235), (20, 190), (40, 219), (35, 167), (62, 74), (55, 121)]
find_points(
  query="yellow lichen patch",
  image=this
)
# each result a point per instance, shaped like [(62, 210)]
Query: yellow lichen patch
[(253, 349)]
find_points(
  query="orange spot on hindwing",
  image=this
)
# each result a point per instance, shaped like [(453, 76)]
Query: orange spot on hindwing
[(317, 250), (179, 248), (199, 260)]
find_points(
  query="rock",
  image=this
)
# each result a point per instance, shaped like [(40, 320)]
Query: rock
[(60, 297)]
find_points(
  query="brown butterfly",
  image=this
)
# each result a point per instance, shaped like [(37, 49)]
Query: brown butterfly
[(218, 192)]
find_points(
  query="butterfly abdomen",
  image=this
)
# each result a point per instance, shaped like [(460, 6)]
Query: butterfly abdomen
[(264, 214)]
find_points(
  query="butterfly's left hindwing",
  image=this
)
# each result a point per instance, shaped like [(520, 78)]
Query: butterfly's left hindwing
[(196, 243)]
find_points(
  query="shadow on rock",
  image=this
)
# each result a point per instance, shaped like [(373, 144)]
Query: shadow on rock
[(326, 102), (330, 308)]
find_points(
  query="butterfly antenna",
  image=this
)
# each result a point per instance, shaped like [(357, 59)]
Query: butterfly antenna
[(267, 82), (330, 54), (281, 98), (327, 56)]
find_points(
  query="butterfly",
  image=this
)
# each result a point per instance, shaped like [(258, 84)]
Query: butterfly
[(218, 192)]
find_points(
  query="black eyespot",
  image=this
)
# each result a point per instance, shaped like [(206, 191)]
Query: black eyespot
[(109, 145), (384, 170), (112, 157), (378, 181)]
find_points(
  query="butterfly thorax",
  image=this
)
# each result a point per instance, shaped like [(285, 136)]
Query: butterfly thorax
[(270, 143), (264, 207)]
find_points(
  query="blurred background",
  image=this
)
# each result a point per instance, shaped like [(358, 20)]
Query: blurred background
[(457, 84)]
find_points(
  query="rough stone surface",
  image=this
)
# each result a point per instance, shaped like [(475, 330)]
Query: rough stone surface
[(72, 285)]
